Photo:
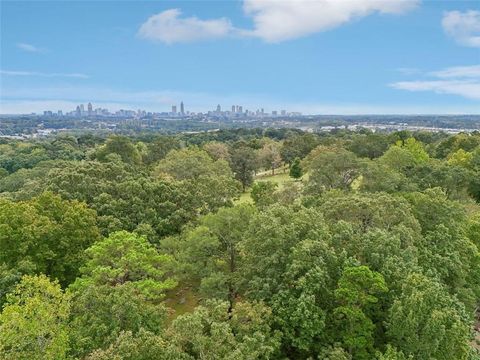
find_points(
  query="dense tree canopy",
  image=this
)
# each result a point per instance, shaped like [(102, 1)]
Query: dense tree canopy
[(364, 246)]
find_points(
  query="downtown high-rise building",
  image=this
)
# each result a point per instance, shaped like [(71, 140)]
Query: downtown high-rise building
[(219, 108), (233, 108), (174, 109), (182, 108), (90, 109)]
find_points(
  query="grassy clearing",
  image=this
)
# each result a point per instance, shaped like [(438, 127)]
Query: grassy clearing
[(280, 178)]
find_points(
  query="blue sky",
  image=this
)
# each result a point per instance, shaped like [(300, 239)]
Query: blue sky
[(314, 56)]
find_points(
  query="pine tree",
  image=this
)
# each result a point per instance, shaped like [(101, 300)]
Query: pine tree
[(296, 171)]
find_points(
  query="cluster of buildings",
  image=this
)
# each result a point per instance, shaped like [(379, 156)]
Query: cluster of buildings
[(89, 111), (236, 111)]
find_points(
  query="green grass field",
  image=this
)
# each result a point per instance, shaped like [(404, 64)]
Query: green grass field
[(280, 177)]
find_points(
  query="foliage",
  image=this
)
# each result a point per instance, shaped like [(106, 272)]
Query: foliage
[(333, 170), (121, 287), (243, 162), (45, 235), (33, 322), (263, 193), (296, 171), (375, 255)]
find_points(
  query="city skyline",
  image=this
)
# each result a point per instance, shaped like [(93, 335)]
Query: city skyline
[(236, 110), (329, 59)]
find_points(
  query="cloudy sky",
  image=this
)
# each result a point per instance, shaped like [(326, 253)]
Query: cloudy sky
[(314, 56)]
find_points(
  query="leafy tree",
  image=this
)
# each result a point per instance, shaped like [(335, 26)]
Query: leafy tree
[(393, 354), (207, 194), (296, 171), (368, 211), (453, 179), (243, 163), (398, 158), (357, 294), (334, 353), (297, 146), (378, 177), (263, 193), (217, 150), (45, 235), (159, 148), (209, 253), (119, 145), (143, 345), (460, 158), (288, 263), (191, 163), (33, 323), (426, 322), (209, 183), (369, 145), (211, 332), (415, 148), (269, 156), (333, 170)]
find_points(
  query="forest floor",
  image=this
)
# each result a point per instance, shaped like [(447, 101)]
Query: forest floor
[(180, 300)]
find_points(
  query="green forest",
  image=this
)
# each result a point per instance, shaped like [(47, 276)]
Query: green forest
[(241, 244)]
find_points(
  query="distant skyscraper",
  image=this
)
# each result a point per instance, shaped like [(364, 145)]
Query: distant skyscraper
[(239, 109), (219, 108), (78, 111), (233, 108), (174, 109), (284, 112), (60, 113), (182, 108), (90, 109)]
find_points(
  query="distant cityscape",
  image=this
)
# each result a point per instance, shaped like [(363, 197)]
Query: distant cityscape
[(180, 119), (236, 111)]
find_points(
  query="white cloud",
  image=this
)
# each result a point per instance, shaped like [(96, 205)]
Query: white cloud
[(464, 27), (466, 88), (41, 74), (29, 48), (276, 21), (169, 28), (459, 80), (458, 72)]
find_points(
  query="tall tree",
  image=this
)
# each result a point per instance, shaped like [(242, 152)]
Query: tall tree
[(209, 253), (243, 163), (121, 288)]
